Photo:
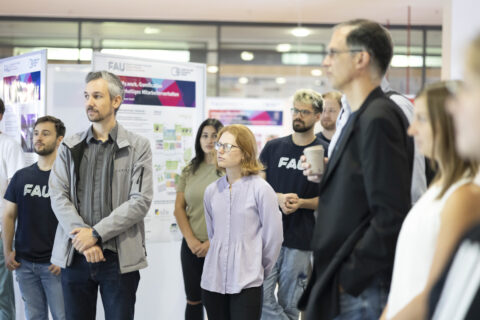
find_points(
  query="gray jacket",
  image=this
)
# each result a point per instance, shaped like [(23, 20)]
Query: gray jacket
[(131, 198)]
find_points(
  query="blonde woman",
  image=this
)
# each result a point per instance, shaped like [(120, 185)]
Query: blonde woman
[(456, 295), (436, 222)]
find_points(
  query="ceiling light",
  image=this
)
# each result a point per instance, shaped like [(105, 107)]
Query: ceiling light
[(300, 32), (402, 61), (316, 72), (247, 56), (212, 69), (280, 80), (150, 30), (284, 47), (243, 80)]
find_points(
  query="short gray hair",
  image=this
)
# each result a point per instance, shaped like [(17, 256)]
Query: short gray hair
[(115, 86)]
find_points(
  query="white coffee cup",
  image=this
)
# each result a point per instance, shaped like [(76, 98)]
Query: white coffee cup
[(315, 157)]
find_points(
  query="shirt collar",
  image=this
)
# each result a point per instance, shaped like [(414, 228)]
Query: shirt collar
[(112, 136)]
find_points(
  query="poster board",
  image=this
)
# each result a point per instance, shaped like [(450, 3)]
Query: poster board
[(23, 88), (164, 103), (65, 95), (267, 118)]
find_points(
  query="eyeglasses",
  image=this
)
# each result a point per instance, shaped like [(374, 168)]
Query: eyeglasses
[(304, 112), (330, 110), (227, 147), (333, 52)]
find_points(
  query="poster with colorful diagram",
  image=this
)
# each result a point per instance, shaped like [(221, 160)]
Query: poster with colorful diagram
[(163, 102), (265, 117)]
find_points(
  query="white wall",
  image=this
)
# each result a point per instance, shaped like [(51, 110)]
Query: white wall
[(65, 84), (460, 24)]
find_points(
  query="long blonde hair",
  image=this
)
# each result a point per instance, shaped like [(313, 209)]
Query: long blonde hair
[(450, 167), (474, 55)]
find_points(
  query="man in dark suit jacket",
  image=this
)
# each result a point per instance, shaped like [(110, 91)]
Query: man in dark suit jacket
[(365, 190)]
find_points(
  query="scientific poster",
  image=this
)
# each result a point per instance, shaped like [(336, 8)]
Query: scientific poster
[(22, 88), (265, 117), (163, 102)]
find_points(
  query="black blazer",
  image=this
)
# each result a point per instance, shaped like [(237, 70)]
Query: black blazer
[(364, 197)]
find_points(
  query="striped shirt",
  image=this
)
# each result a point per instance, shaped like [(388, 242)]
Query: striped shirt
[(94, 188)]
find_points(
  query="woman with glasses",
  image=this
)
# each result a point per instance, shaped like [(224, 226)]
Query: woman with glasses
[(195, 177), (244, 227), (436, 222)]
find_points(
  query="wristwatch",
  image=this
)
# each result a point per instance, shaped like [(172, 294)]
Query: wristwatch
[(96, 235)]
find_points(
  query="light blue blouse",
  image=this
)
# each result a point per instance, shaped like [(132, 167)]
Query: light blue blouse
[(244, 225)]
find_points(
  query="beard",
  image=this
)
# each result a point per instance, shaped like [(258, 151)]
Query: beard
[(98, 116), (299, 126), (47, 149), (95, 117), (328, 125)]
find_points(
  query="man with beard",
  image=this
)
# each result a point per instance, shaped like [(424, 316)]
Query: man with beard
[(101, 190), (297, 198), (28, 199), (332, 104)]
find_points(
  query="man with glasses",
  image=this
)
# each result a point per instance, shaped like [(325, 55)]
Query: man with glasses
[(364, 193), (297, 199), (332, 103)]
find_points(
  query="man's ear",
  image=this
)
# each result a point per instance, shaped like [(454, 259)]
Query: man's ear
[(117, 101), (362, 59), (59, 140)]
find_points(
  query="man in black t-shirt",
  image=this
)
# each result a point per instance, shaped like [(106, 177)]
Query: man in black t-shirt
[(297, 198), (28, 203)]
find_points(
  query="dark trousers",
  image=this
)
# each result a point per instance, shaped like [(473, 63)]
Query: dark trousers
[(192, 268), (80, 283), (246, 305)]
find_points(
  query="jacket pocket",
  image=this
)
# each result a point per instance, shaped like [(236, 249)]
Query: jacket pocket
[(131, 248)]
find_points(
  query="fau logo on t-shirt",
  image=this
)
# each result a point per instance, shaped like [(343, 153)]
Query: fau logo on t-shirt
[(36, 190), (290, 163)]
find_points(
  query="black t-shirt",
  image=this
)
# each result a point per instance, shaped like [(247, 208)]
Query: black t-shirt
[(281, 157), (321, 137), (36, 222)]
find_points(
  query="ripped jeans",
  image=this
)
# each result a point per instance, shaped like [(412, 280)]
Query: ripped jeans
[(291, 272)]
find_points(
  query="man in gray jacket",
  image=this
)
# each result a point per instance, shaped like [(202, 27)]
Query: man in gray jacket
[(101, 190)]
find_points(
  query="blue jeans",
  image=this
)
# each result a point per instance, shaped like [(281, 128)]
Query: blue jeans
[(7, 297), (291, 273), (40, 290), (367, 306), (81, 281)]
